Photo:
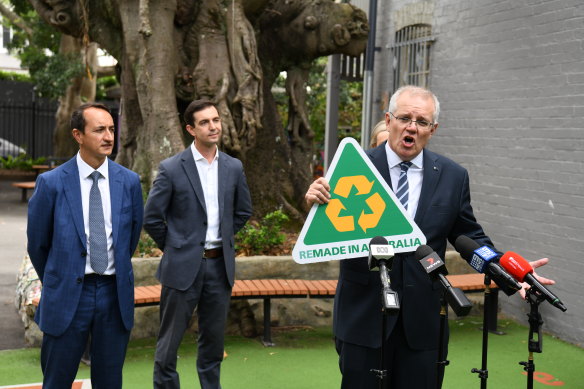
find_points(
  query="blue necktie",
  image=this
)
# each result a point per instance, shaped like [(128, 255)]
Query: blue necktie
[(97, 238), (402, 191)]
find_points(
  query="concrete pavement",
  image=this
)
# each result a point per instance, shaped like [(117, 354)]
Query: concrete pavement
[(12, 250)]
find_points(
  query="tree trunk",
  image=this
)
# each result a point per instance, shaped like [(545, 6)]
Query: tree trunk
[(81, 89), (229, 51)]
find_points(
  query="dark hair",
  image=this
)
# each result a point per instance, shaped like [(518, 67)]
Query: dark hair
[(196, 106), (77, 119)]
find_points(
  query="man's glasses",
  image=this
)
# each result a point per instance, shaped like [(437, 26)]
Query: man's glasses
[(420, 124)]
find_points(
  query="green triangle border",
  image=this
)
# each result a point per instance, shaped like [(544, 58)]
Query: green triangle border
[(356, 248)]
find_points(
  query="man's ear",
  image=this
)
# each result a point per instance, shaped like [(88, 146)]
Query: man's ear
[(77, 135), (434, 128)]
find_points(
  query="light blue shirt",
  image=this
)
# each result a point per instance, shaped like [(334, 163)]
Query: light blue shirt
[(415, 177), (86, 183)]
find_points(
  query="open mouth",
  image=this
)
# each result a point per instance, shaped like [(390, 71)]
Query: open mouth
[(408, 141)]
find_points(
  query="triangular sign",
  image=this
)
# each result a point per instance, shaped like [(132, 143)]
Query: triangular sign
[(361, 207)]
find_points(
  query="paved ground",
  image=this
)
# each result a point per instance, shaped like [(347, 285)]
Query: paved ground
[(12, 250)]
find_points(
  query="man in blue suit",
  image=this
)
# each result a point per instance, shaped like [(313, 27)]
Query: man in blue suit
[(84, 222), (438, 199), (198, 201)]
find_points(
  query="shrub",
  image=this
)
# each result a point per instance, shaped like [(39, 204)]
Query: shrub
[(261, 237), (22, 162)]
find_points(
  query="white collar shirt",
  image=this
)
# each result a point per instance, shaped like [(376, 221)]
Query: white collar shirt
[(209, 176), (86, 183), (415, 177)]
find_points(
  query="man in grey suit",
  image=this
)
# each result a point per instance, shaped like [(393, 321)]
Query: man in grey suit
[(198, 201)]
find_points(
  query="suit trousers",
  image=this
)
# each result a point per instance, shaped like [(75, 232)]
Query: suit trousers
[(406, 368), (210, 294), (98, 314)]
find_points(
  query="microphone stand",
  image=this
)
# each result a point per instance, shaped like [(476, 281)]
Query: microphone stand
[(390, 304), (442, 363), (483, 372), (535, 323)]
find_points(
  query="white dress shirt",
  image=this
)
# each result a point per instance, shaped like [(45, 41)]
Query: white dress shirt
[(415, 176), (209, 176), (86, 183)]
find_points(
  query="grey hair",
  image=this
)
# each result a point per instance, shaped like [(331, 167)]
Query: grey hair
[(415, 90)]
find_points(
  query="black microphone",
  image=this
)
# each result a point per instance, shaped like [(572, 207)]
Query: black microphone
[(482, 260), (519, 268), (436, 269), (381, 255)]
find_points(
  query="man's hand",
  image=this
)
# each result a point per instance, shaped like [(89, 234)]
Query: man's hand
[(318, 192), (543, 280)]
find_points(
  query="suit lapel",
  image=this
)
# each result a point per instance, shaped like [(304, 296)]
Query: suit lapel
[(72, 189), (116, 188), (379, 158), (190, 168), (432, 172), (222, 177)]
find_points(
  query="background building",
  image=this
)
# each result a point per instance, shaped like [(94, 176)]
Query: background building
[(510, 78)]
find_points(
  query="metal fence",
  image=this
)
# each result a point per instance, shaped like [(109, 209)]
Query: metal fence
[(27, 126)]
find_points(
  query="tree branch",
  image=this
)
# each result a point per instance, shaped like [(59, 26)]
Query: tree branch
[(15, 19)]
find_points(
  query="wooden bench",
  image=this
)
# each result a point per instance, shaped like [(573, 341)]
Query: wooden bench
[(256, 289), (25, 186), (281, 288)]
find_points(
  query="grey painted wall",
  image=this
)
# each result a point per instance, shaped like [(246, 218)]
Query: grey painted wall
[(510, 78)]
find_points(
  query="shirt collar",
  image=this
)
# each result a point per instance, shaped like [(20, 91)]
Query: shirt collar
[(85, 170), (394, 160), (198, 156)]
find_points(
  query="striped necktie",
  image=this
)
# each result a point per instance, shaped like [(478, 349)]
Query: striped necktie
[(402, 191), (97, 239)]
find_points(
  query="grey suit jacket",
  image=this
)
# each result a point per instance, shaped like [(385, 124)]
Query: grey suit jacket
[(176, 216)]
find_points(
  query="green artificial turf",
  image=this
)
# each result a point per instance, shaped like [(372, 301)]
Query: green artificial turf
[(304, 358)]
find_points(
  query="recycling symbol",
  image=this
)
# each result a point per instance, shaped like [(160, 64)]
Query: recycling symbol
[(336, 206)]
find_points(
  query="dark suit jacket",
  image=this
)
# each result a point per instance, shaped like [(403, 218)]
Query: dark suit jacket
[(176, 216), (444, 212), (57, 241)]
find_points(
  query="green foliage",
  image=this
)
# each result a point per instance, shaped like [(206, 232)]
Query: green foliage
[(146, 246), (102, 85), (260, 237), (22, 162), (13, 76), (350, 103), (50, 71)]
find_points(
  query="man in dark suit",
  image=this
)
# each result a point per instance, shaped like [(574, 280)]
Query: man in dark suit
[(82, 251), (198, 201), (438, 199)]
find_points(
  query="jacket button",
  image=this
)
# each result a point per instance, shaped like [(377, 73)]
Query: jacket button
[(84, 253), (79, 280)]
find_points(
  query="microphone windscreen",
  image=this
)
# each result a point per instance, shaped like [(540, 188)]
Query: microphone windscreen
[(516, 265), (465, 246), (423, 251), (380, 240)]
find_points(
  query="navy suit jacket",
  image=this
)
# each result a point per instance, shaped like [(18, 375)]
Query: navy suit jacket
[(176, 216), (444, 212), (57, 241)]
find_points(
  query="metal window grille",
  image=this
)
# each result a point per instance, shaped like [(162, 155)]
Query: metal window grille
[(5, 37), (352, 68), (411, 55)]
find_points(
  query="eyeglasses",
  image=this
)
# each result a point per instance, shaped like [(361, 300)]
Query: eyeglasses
[(420, 124)]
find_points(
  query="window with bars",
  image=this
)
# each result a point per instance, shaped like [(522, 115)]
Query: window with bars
[(5, 38), (411, 55)]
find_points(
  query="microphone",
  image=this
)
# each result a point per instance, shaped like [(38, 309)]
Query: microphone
[(521, 270), (436, 269), (381, 256), (481, 259)]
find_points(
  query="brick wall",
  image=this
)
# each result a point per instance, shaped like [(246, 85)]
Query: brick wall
[(510, 78)]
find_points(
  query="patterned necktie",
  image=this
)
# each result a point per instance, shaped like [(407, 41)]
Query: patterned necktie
[(402, 191), (97, 238)]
